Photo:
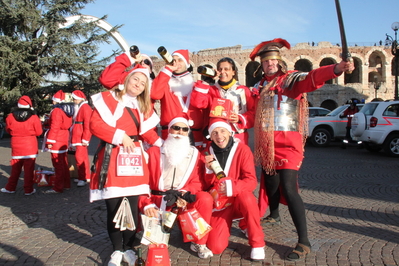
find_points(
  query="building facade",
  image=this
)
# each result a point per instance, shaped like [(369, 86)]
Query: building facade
[(372, 78)]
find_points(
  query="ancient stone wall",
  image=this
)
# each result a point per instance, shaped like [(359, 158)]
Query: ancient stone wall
[(373, 69)]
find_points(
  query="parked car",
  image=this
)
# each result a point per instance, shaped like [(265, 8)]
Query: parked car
[(377, 126), (318, 111), (324, 129)]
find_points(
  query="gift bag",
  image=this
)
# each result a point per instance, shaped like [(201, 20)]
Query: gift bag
[(158, 255), (192, 225), (220, 199), (44, 178)]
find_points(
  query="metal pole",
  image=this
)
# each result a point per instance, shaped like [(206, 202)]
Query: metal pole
[(396, 54)]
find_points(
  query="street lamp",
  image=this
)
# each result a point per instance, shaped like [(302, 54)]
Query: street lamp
[(395, 53)]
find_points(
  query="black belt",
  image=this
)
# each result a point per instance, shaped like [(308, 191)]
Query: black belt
[(78, 122), (157, 193)]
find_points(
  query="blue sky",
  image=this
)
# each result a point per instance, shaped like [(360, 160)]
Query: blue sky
[(198, 25)]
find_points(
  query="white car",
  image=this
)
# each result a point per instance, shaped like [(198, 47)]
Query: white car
[(377, 126), (318, 111), (324, 129)]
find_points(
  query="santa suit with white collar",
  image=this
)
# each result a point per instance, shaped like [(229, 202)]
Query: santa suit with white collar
[(81, 135), (174, 93)]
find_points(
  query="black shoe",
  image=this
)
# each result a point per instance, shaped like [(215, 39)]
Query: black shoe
[(270, 221)]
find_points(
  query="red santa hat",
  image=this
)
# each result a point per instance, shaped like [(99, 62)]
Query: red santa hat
[(24, 102), (78, 95), (59, 96), (137, 68), (217, 122), (183, 54), (269, 49), (178, 120)]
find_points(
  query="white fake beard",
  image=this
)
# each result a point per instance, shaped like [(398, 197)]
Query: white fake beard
[(176, 148)]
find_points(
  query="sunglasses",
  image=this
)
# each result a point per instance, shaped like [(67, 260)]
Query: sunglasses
[(177, 128), (147, 62)]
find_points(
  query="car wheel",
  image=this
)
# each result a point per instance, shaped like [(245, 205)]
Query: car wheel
[(371, 147), (321, 137), (391, 145), (358, 124)]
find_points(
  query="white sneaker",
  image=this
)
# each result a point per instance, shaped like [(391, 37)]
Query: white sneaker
[(258, 254), (81, 183), (33, 192), (76, 180), (129, 257), (116, 258), (202, 250), (4, 190)]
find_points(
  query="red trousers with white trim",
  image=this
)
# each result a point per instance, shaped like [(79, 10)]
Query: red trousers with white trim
[(246, 206), (61, 169), (82, 162), (16, 169)]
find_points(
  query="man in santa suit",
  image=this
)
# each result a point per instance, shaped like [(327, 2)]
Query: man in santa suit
[(280, 132), (57, 139), (24, 126), (173, 87), (236, 159), (175, 171), (81, 135)]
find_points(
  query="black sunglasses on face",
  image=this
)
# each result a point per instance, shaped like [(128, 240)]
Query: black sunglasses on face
[(177, 128), (147, 62)]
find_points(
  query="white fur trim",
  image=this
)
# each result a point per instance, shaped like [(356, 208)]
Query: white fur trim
[(183, 58), (178, 120), (24, 156), (167, 71), (23, 106), (205, 91), (149, 123), (219, 124), (106, 115), (113, 192), (158, 143), (229, 188), (118, 136)]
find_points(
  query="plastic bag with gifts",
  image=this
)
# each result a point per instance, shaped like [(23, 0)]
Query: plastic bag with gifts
[(192, 225), (158, 255), (221, 194)]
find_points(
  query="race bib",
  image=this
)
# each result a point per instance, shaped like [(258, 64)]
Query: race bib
[(130, 164)]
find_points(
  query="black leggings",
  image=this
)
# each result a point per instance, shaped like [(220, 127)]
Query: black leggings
[(286, 180), (121, 240)]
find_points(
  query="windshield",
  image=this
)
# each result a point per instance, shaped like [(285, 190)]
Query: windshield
[(337, 110)]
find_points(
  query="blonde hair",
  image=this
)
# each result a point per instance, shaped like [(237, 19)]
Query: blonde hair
[(143, 98)]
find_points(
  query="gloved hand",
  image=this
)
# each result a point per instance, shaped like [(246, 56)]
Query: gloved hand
[(190, 198), (171, 196)]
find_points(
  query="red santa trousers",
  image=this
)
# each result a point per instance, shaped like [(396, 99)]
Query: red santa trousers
[(82, 162), (61, 169), (16, 169), (245, 205)]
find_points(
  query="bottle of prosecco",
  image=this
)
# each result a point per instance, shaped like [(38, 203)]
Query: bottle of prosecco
[(206, 71), (165, 55), (216, 168)]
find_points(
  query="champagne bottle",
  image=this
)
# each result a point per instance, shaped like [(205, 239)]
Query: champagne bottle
[(216, 168), (170, 219), (165, 55), (206, 71), (139, 261)]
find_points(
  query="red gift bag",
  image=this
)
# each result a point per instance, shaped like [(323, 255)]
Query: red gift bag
[(158, 255), (44, 178), (192, 225)]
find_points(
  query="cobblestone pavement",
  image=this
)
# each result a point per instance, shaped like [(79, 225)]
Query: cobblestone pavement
[(351, 197)]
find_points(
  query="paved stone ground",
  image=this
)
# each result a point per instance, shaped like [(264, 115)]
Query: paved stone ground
[(351, 198)]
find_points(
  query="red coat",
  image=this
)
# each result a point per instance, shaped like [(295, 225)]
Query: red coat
[(239, 168), (110, 77), (190, 182), (173, 106), (24, 136), (58, 134), (109, 121), (241, 97), (81, 128)]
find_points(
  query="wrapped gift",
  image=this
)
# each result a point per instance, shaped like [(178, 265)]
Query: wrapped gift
[(158, 255), (44, 178), (221, 108)]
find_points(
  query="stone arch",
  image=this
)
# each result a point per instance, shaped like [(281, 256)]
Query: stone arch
[(329, 104), (384, 61), (304, 65), (326, 62), (355, 76)]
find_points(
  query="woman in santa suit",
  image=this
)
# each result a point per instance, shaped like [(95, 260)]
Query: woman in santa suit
[(24, 126), (122, 118), (227, 87)]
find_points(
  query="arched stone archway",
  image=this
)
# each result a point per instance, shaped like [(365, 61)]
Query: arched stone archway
[(304, 65), (329, 104)]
